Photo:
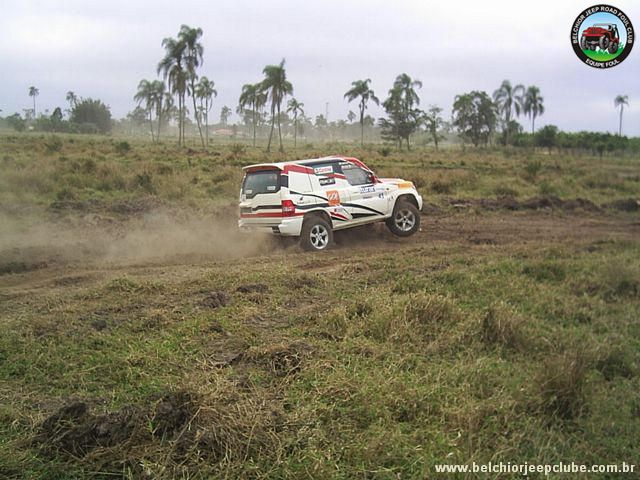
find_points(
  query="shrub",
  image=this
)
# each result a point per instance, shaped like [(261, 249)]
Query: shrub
[(144, 181), (561, 384), (92, 116), (532, 168), (384, 151), (53, 144), (122, 148), (501, 327)]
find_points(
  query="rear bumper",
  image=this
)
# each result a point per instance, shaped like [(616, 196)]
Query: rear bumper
[(281, 226)]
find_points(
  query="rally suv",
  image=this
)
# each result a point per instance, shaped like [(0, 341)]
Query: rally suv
[(312, 198), (603, 35)]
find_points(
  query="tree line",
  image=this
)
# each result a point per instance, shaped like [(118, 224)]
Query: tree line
[(476, 117)]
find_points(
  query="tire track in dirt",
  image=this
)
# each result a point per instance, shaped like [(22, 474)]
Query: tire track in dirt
[(460, 229)]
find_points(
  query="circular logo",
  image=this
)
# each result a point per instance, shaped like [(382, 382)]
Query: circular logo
[(602, 36)]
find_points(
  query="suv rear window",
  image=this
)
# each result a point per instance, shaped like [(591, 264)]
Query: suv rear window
[(261, 181)]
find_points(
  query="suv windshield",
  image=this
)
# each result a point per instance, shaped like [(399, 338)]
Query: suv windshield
[(265, 181)]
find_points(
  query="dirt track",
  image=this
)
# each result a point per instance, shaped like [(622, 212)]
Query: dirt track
[(52, 270)]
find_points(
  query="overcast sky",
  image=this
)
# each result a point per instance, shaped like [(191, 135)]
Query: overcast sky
[(102, 49)]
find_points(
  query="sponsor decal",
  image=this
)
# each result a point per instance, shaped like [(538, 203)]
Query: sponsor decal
[(602, 36), (327, 181), (367, 189), (271, 188), (333, 198), (323, 170)]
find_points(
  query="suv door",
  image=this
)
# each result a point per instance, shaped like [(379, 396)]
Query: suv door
[(368, 199), (331, 190)]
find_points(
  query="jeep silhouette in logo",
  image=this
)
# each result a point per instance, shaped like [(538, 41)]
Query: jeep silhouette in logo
[(603, 35)]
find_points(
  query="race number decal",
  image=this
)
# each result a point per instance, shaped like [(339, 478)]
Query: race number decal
[(333, 197)]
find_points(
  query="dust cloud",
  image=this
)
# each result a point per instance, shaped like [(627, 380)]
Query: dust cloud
[(159, 236)]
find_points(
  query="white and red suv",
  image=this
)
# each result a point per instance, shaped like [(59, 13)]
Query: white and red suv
[(311, 198)]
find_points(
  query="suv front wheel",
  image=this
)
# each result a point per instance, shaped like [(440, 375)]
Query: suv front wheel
[(316, 234), (405, 220)]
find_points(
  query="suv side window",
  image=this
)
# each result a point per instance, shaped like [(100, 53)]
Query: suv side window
[(356, 175), (325, 171)]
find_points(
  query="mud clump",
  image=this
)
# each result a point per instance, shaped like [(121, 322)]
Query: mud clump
[(176, 430), (215, 300), (74, 431), (252, 288), (172, 413)]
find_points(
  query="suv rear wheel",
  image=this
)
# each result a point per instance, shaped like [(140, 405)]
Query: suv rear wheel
[(405, 220), (316, 234)]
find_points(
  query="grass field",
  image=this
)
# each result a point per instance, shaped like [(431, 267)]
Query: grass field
[(144, 338), (602, 55)]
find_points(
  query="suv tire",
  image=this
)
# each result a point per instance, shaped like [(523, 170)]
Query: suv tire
[(603, 43), (316, 234), (405, 219)]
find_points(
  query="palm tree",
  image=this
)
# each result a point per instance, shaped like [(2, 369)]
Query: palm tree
[(193, 52), (146, 94), (276, 86), (621, 101), (205, 92), (173, 71), (351, 116), (360, 89), (34, 92), (72, 98), (251, 96), (159, 94), (508, 98), (225, 112), (295, 107), (533, 106)]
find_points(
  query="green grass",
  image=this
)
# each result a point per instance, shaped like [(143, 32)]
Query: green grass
[(97, 173), (602, 55), (357, 363)]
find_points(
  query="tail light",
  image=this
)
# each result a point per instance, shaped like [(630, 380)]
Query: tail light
[(288, 208)]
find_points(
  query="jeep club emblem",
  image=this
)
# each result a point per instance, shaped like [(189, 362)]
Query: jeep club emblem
[(602, 36)]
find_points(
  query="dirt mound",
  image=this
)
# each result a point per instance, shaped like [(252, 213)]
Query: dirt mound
[(534, 203), (177, 430), (252, 288), (215, 300), (172, 412), (74, 431), (624, 205)]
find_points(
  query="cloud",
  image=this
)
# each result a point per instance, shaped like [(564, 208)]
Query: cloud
[(103, 49)]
